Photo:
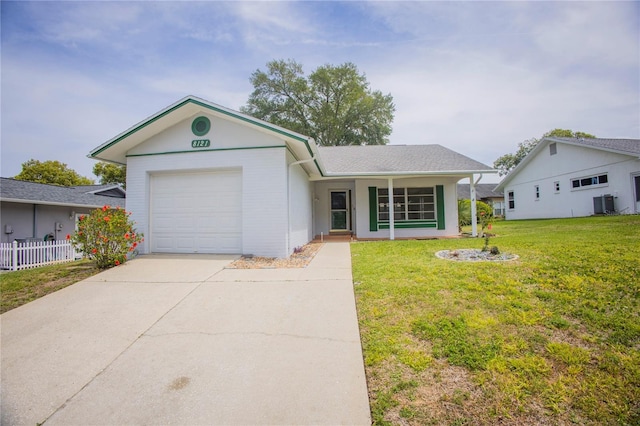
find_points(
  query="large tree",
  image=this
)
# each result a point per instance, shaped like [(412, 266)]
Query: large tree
[(52, 172), (334, 104), (508, 162), (110, 173)]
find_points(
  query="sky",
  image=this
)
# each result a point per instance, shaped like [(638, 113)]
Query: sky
[(475, 77)]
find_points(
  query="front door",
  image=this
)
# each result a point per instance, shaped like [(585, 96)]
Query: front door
[(340, 206)]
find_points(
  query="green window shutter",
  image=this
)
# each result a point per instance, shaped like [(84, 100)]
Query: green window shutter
[(440, 206), (373, 209)]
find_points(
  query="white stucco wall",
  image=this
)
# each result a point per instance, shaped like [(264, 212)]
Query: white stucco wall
[(233, 146), (570, 162)]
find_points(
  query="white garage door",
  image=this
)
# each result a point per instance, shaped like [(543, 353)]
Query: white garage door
[(196, 212)]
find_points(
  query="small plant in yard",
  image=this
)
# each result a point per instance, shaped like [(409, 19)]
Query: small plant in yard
[(106, 236), (485, 224)]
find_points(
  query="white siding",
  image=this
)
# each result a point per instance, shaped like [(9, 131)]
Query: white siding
[(300, 207), (224, 134), (264, 215), (570, 162)]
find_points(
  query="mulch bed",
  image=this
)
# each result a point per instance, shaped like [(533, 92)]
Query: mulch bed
[(474, 255), (299, 259)]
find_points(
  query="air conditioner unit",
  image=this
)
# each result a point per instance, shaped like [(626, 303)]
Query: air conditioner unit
[(603, 204)]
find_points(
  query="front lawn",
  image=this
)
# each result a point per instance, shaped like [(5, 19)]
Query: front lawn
[(552, 338), (20, 287)]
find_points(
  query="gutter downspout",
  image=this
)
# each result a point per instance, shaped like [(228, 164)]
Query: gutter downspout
[(295, 163), (474, 209), (392, 233), (35, 220)]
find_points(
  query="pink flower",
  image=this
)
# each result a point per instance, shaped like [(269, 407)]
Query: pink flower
[(94, 251), (127, 236), (68, 237), (107, 218), (117, 262), (105, 208)]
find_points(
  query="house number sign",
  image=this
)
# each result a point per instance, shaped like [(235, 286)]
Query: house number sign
[(200, 143)]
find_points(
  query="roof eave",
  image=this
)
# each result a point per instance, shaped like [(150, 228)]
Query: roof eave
[(52, 203), (289, 135), (404, 174)]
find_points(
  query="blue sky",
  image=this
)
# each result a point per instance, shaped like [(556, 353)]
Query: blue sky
[(476, 77)]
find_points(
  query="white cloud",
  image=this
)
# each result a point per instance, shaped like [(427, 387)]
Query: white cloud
[(475, 77)]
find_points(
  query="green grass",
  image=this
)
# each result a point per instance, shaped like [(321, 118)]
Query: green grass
[(552, 338), (20, 287)]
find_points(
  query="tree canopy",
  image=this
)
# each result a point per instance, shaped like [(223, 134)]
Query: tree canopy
[(110, 173), (334, 104), (508, 162), (51, 172)]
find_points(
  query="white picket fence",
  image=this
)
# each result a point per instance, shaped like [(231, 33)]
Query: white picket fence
[(32, 254)]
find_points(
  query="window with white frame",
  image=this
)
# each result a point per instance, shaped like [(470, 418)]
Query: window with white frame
[(511, 199), (599, 180), (553, 149), (556, 187), (408, 204), (537, 191)]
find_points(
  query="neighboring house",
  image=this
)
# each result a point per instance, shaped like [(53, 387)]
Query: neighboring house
[(567, 177), (30, 210), (486, 193), (202, 178)]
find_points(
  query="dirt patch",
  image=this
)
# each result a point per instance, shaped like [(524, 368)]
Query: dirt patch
[(299, 259)]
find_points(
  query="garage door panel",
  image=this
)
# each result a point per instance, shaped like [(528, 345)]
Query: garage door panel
[(197, 212)]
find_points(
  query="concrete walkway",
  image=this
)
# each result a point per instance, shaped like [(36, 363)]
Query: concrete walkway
[(181, 340)]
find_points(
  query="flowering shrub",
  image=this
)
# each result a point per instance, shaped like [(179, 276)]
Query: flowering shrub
[(106, 236), (464, 212), (485, 223)]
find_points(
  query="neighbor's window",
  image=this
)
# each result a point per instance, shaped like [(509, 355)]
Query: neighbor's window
[(556, 186), (553, 149), (512, 200), (589, 181), (408, 204), (537, 189)]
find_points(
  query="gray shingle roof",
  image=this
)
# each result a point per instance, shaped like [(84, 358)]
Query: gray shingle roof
[(629, 146), (18, 190), (483, 190), (380, 159)]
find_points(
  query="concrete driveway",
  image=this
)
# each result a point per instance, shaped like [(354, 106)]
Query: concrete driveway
[(181, 340)]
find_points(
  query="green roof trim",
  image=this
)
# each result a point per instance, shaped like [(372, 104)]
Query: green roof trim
[(212, 108), (205, 150)]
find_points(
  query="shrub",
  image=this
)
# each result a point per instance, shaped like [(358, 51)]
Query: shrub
[(464, 211), (107, 236)]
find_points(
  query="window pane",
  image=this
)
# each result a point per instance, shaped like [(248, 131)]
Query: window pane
[(586, 182), (575, 183), (420, 191), (339, 220), (339, 200), (383, 192), (603, 178)]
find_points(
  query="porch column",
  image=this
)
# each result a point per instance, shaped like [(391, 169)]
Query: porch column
[(391, 211), (472, 196)]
